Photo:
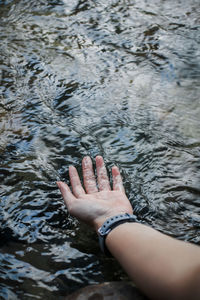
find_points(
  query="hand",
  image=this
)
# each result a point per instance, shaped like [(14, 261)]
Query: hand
[(90, 205)]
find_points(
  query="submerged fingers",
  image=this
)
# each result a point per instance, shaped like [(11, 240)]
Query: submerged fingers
[(102, 177), (89, 178), (66, 193), (117, 180), (88, 175), (75, 182)]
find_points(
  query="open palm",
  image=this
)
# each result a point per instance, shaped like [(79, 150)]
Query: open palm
[(93, 205)]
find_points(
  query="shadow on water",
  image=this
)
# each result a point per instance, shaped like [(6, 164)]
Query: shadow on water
[(119, 79)]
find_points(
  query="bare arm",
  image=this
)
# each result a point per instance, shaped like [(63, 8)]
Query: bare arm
[(162, 267)]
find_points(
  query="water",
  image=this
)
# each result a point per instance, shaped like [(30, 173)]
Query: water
[(120, 79)]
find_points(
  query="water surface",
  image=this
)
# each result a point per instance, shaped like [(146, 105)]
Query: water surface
[(115, 78)]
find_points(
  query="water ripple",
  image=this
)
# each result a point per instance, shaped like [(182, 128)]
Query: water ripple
[(120, 79)]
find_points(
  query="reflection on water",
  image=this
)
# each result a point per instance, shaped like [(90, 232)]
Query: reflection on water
[(120, 79)]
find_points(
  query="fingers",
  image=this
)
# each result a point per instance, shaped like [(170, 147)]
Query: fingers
[(88, 176), (103, 181), (77, 188), (89, 179), (117, 180), (66, 193)]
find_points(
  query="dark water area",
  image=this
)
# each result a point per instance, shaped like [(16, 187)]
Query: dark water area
[(115, 78)]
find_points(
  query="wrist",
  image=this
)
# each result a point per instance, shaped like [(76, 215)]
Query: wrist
[(101, 220), (109, 225)]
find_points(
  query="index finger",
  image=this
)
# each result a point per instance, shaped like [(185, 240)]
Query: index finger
[(75, 182)]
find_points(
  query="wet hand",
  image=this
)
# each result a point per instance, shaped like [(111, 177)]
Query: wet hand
[(94, 205)]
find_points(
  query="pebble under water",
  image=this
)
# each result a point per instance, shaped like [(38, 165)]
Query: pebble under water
[(116, 78)]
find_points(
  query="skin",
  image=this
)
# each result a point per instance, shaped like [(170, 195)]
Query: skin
[(162, 267), (94, 205)]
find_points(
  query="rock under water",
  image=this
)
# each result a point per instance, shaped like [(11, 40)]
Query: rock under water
[(108, 291)]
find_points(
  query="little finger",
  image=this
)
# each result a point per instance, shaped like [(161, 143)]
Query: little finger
[(117, 180)]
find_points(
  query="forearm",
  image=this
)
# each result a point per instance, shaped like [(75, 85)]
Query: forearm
[(164, 268)]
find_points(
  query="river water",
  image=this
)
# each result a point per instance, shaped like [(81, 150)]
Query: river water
[(118, 78)]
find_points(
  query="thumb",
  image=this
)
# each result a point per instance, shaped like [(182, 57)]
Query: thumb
[(66, 192)]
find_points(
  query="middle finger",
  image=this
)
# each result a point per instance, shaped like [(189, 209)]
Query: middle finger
[(88, 176), (103, 181)]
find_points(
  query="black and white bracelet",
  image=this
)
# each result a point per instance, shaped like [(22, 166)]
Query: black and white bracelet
[(109, 225)]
